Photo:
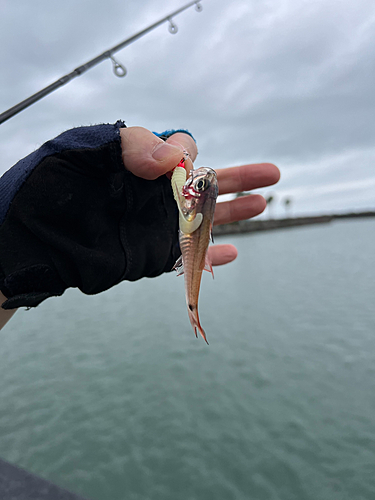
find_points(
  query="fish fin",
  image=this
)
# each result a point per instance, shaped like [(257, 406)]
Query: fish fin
[(179, 266), (195, 323), (208, 266), (189, 227)]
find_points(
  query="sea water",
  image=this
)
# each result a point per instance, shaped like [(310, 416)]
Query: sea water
[(113, 397)]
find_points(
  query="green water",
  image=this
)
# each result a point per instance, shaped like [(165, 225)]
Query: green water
[(113, 397)]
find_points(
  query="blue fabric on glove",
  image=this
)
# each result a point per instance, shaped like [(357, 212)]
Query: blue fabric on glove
[(167, 133)]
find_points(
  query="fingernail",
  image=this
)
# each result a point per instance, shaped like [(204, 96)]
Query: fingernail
[(164, 150)]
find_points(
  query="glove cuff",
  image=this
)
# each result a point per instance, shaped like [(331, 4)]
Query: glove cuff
[(37, 278)]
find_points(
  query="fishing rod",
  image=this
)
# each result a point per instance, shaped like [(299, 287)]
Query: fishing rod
[(118, 68)]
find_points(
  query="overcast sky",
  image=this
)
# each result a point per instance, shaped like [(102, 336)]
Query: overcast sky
[(282, 81)]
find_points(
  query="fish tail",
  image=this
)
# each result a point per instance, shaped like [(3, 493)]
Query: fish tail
[(195, 323)]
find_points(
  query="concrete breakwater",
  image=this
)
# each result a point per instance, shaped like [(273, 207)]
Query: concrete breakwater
[(249, 226)]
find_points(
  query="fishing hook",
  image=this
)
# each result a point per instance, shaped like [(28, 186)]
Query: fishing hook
[(118, 69), (172, 28)]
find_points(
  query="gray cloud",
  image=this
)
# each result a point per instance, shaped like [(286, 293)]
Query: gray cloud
[(281, 81)]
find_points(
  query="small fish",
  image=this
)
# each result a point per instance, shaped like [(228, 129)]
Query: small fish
[(196, 200)]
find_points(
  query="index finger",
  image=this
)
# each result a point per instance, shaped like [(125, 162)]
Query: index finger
[(247, 177)]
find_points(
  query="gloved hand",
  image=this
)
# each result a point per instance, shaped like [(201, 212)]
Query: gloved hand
[(89, 209)]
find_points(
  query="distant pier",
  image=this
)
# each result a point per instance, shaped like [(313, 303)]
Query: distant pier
[(250, 226)]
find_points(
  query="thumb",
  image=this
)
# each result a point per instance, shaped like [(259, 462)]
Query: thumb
[(146, 155)]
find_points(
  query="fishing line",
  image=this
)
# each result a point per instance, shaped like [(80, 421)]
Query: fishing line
[(118, 69)]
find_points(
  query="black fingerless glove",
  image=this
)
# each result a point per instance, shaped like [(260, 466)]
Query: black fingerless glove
[(71, 215)]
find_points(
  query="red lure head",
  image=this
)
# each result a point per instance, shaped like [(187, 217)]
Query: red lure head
[(188, 192)]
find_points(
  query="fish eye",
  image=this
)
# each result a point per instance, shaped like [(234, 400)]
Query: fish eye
[(201, 185)]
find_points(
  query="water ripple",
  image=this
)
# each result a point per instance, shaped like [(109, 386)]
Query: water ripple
[(113, 397)]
